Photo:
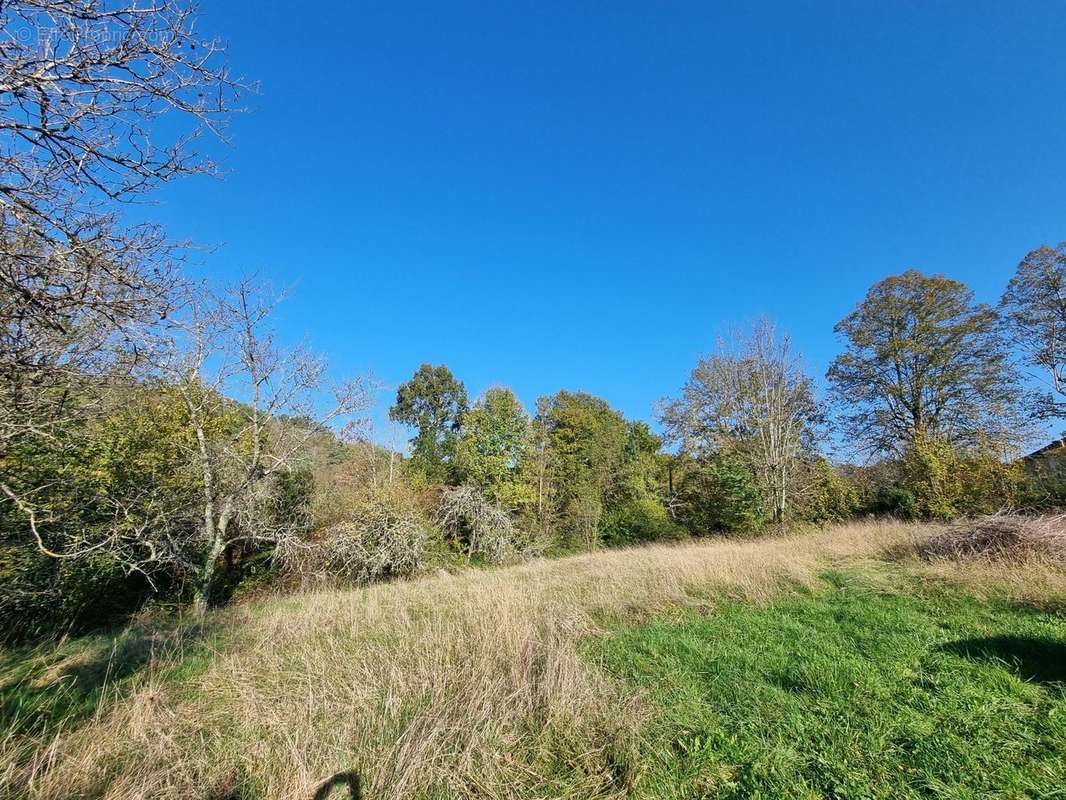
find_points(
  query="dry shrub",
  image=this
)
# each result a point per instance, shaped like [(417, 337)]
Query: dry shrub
[(386, 540), (1000, 537), (488, 528)]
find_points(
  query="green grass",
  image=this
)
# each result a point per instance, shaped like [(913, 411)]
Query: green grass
[(851, 692)]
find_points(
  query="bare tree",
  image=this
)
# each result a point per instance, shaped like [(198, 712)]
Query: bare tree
[(752, 400), (236, 385), (83, 84)]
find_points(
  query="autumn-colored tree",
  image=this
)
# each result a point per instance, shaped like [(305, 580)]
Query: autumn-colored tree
[(923, 360)]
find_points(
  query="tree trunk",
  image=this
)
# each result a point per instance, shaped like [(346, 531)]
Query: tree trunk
[(217, 537), (202, 596)]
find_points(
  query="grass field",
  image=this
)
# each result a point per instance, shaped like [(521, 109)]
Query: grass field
[(822, 664), (848, 691)]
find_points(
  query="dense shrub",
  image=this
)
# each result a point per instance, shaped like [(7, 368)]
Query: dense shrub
[(947, 482), (931, 474), (720, 495), (93, 484), (1044, 484), (894, 501), (829, 495), (482, 528), (42, 596), (643, 519), (387, 539)]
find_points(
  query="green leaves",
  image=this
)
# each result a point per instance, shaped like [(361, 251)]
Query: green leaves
[(493, 448), (923, 359), (433, 402)]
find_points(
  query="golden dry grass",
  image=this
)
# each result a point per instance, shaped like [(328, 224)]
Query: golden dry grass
[(450, 686)]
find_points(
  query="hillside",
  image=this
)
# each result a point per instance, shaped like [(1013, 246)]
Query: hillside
[(646, 673)]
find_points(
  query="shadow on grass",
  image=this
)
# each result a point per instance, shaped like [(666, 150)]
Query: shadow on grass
[(47, 684), (1034, 658)]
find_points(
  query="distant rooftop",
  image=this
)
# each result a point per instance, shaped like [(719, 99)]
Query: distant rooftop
[(1055, 445)]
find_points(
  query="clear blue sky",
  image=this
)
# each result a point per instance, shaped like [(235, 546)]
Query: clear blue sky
[(579, 195)]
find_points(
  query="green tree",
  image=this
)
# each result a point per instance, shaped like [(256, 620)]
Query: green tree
[(587, 440), (635, 510), (113, 515), (1034, 306), (922, 359), (720, 494), (596, 476), (830, 496), (493, 449), (434, 403)]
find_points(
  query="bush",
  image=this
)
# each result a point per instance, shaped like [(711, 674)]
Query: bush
[(830, 497), (947, 482), (643, 519), (895, 501), (931, 474), (42, 596), (386, 540), (990, 484), (483, 528), (721, 495)]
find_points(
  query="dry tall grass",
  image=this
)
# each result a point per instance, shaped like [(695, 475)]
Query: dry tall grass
[(450, 686)]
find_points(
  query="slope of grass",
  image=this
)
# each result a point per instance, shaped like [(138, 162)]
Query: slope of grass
[(471, 685), (852, 692), (54, 686)]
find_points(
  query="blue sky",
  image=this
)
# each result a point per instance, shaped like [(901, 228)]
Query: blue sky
[(580, 195)]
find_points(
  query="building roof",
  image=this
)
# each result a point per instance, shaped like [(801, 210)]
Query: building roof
[(1055, 445)]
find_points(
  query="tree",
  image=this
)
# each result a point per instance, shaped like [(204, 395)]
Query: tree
[(107, 502), (720, 493), (634, 509), (434, 403), (493, 449), (586, 440), (1034, 306), (222, 347), (83, 85), (752, 402), (232, 419), (923, 361)]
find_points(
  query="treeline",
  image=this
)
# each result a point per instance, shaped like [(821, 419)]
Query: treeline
[(157, 445), (212, 465)]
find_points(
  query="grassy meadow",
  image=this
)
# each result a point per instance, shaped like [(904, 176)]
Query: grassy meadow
[(826, 663)]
